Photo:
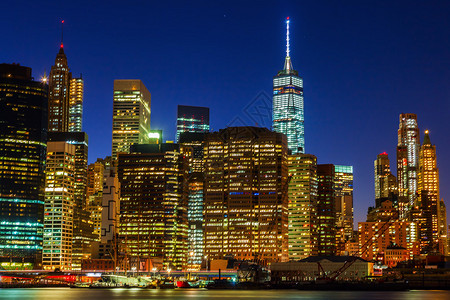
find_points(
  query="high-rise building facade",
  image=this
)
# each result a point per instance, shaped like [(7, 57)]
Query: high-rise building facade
[(59, 94), (131, 115), (192, 119), (94, 196), (288, 110), (23, 144), (302, 196), (385, 183), (407, 162), (76, 89), (443, 244), (326, 210), (59, 206), (82, 223), (343, 185), (110, 202), (153, 205), (428, 189), (246, 203), (194, 143)]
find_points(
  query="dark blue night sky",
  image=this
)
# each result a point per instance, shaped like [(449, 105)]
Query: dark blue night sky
[(362, 63)]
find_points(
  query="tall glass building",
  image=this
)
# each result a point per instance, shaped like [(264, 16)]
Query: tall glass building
[(302, 194), (288, 114), (407, 161), (153, 206), (23, 137), (343, 185), (194, 142), (192, 119), (76, 104), (131, 115), (59, 206)]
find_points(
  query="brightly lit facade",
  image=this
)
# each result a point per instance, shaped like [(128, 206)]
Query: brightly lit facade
[(131, 115), (23, 138), (246, 203), (443, 236), (385, 183), (194, 143), (59, 206), (192, 119), (76, 89), (428, 189), (343, 185), (94, 195), (407, 161), (82, 224), (373, 240), (288, 110), (58, 96), (153, 205), (302, 195)]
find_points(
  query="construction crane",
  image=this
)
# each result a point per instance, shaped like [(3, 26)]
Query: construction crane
[(333, 275)]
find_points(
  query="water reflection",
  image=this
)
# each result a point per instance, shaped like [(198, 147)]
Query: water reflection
[(137, 294)]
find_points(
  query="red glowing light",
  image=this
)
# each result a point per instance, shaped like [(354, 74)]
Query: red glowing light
[(384, 153), (287, 18), (62, 21)]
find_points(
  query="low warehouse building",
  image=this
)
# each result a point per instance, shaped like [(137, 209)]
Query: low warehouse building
[(347, 268)]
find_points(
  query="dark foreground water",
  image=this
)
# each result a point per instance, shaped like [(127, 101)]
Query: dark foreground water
[(105, 294)]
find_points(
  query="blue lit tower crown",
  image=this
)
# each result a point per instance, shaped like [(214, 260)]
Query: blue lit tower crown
[(288, 116)]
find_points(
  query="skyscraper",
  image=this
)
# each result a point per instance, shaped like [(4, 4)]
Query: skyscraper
[(76, 89), (94, 196), (246, 203), (23, 144), (131, 115), (192, 119), (194, 143), (59, 206), (343, 185), (326, 210), (59, 94), (407, 162), (82, 224), (153, 205), (302, 195), (110, 201), (428, 189), (288, 110), (385, 183)]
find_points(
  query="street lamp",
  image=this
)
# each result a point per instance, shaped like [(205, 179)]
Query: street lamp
[(206, 259), (154, 272)]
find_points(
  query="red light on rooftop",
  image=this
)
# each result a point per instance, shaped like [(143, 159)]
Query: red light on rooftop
[(384, 153), (287, 18), (62, 21)]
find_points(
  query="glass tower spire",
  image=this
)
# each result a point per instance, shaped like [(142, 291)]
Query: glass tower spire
[(288, 115)]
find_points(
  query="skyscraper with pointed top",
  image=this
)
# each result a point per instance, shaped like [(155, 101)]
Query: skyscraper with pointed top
[(58, 96), (428, 191), (65, 99), (288, 111)]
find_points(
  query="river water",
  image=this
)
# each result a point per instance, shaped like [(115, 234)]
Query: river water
[(192, 294)]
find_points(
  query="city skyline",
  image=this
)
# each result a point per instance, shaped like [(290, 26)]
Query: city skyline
[(358, 142)]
